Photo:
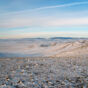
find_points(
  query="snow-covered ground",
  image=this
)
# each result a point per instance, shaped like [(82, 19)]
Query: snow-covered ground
[(44, 72), (44, 63)]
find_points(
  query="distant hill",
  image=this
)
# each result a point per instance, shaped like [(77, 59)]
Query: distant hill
[(55, 47), (62, 38), (32, 39)]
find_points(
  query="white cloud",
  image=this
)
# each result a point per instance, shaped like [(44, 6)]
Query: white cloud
[(64, 5), (44, 22), (50, 7), (17, 19)]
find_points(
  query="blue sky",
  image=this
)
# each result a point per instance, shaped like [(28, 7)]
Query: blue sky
[(43, 18)]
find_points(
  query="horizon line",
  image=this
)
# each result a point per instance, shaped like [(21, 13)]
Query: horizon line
[(44, 38)]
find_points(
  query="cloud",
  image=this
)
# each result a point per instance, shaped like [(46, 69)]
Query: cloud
[(44, 22), (19, 19), (64, 5), (47, 7)]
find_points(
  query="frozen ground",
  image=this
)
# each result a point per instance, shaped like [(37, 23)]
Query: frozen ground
[(40, 72), (44, 63)]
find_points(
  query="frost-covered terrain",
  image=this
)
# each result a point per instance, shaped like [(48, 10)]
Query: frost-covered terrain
[(44, 63), (44, 72), (53, 47)]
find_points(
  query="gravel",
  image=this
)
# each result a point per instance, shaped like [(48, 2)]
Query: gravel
[(44, 72)]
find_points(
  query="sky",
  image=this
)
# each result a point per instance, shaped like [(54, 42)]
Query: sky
[(43, 18)]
